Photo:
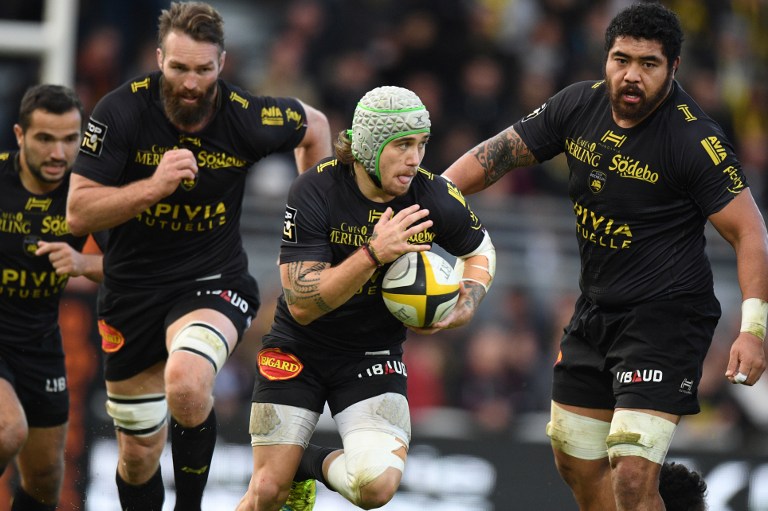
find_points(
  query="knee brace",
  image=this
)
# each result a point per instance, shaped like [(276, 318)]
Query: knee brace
[(367, 454), (137, 415), (639, 434), (576, 435), (204, 340)]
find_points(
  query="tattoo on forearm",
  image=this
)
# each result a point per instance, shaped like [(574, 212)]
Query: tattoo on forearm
[(501, 154), (305, 279), (475, 294)]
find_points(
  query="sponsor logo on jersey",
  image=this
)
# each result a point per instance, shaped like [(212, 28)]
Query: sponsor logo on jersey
[(274, 364), (14, 223), (111, 338), (686, 112), (4, 156), (596, 181), (289, 225), (601, 231), (613, 138), (640, 376), (184, 217), (272, 116), (40, 204), (714, 149), (454, 192), (686, 386), (584, 151), (374, 215), (237, 98), (384, 369), (185, 140), (93, 138), (348, 234), (627, 167), (737, 184), (231, 297)]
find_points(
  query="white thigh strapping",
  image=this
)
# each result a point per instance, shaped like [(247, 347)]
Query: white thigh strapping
[(635, 433), (273, 424), (576, 435)]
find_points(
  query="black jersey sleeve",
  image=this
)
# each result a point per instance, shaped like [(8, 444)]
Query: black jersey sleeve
[(305, 226), (543, 129), (107, 137), (709, 170), (459, 231)]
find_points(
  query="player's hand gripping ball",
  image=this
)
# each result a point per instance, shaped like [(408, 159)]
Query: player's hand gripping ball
[(420, 288)]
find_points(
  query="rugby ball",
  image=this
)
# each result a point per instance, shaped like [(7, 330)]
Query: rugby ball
[(420, 288)]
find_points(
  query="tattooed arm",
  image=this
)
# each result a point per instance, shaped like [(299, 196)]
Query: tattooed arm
[(313, 289), (487, 162)]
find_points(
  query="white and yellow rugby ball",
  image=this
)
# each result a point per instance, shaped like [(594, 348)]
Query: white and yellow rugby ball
[(420, 288)]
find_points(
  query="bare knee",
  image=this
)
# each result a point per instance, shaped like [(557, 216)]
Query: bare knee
[(13, 436), (634, 481), (139, 457), (266, 492), (380, 491), (189, 394), (43, 483)]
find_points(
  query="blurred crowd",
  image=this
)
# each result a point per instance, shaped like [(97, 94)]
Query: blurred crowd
[(478, 65)]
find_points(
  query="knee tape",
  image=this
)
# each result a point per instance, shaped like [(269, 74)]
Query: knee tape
[(576, 435), (137, 415), (273, 424), (367, 454), (204, 340), (639, 434)]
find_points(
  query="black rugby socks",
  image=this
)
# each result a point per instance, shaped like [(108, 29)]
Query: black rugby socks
[(23, 501), (311, 464), (144, 497), (192, 450)]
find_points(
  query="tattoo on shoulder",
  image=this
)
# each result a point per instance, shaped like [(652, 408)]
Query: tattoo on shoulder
[(502, 153)]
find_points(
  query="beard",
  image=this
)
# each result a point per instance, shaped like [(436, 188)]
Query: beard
[(640, 110), (185, 115), (36, 169)]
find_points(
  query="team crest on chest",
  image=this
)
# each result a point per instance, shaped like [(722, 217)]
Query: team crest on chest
[(597, 181)]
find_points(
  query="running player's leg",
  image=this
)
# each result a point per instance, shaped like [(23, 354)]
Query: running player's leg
[(41, 469), (578, 444), (139, 411), (13, 424), (279, 434), (375, 433), (199, 343)]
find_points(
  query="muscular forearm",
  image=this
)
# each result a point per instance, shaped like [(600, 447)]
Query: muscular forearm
[(313, 289), (487, 162), (92, 207), (92, 267)]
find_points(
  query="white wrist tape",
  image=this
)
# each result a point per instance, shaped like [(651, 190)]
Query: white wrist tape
[(754, 316)]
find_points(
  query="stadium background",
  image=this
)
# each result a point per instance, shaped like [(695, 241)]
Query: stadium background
[(479, 395)]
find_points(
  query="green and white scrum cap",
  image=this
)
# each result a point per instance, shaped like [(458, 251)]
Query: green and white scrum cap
[(382, 115)]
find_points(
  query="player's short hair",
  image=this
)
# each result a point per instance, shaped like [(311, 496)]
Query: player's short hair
[(649, 20), (198, 20), (681, 488), (56, 99)]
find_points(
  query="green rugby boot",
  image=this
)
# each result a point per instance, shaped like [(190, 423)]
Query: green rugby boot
[(302, 496)]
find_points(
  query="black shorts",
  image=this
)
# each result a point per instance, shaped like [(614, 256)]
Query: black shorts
[(133, 325), (37, 373), (294, 374), (648, 357)]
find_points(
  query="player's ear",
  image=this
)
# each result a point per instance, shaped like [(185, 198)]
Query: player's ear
[(222, 59), (160, 58)]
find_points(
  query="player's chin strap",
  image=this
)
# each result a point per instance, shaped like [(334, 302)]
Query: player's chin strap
[(485, 249)]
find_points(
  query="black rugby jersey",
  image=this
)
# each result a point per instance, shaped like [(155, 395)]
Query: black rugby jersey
[(193, 233), (327, 218), (641, 196), (29, 287)]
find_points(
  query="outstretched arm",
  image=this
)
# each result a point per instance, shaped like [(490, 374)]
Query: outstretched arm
[(487, 162), (742, 225)]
